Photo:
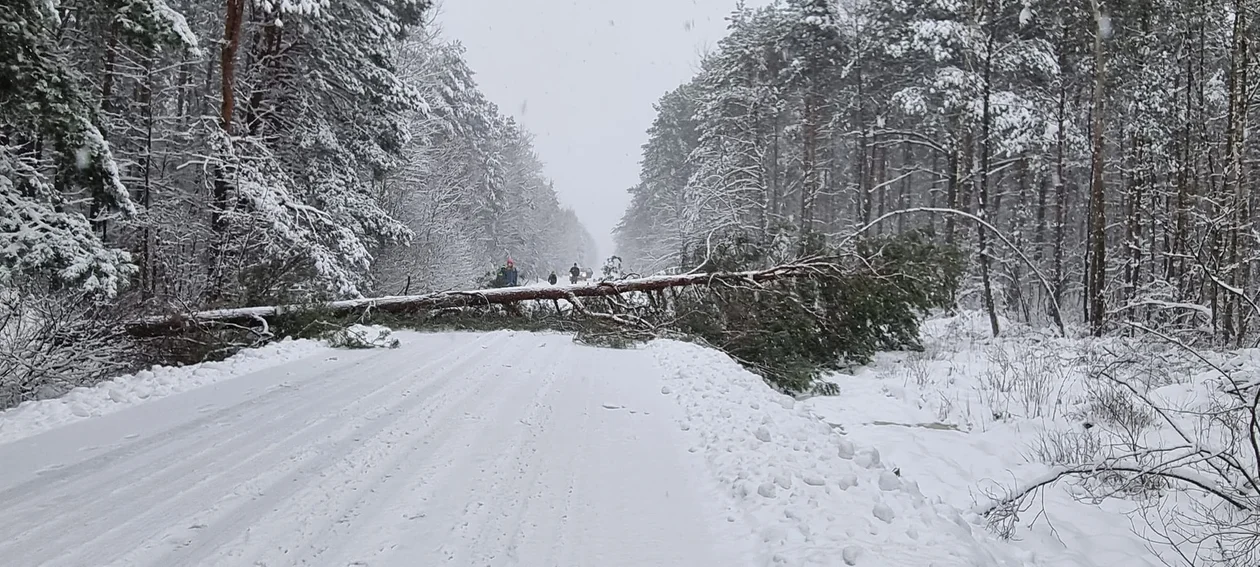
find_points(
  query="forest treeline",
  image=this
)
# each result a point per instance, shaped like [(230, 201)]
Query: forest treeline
[(1107, 140), (162, 156), (187, 154)]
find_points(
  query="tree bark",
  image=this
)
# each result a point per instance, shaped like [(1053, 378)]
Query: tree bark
[(1060, 189), (227, 79), (1235, 148), (1097, 216), (982, 210)]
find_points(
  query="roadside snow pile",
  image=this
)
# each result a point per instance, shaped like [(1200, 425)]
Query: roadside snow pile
[(363, 336), (814, 496), (110, 396)]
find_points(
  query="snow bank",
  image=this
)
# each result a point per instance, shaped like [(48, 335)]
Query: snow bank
[(34, 417), (813, 495), (972, 417)]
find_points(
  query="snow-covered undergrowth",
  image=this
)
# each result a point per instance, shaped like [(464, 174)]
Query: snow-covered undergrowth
[(52, 343), (812, 495), (113, 395), (975, 419), (363, 336)]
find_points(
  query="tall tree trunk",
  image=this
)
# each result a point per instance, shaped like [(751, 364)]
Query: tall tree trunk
[(880, 154), (223, 172), (982, 208), (1176, 263), (861, 164), (227, 76), (1097, 216), (147, 253), (809, 185), (951, 192), (933, 193), (1133, 233), (100, 200), (903, 194), (1235, 148), (1060, 187)]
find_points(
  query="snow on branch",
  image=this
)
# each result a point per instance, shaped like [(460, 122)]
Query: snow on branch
[(1182, 474)]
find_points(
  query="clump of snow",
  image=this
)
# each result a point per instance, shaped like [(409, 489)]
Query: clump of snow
[(814, 521), (868, 458), (363, 336), (845, 449), (35, 417), (851, 555), (179, 25)]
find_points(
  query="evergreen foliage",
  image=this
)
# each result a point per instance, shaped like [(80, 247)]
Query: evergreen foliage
[(791, 330)]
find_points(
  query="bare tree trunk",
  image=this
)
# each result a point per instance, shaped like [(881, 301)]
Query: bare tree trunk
[(1098, 216), (809, 185), (1060, 192), (880, 154), (903, 194), (1235, 147), (1133, 233), (933, 192), (951, 193), (99, 199), (862, 164), (147, 244), (1176, 264), (983, 205), (227, 75)]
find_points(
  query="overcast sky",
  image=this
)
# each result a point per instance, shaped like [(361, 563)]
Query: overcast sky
[(582, 76)]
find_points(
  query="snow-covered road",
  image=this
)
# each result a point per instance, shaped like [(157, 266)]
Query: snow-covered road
[(456, 449)]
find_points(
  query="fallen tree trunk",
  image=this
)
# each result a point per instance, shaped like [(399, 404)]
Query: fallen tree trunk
[(161, 325)]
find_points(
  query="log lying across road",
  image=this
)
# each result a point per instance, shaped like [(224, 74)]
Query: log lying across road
[(159, 325)]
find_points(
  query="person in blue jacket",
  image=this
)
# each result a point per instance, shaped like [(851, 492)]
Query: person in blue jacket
[(510, 274)]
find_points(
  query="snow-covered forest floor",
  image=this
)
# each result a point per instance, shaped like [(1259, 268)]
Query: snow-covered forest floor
[(892, 471), (973, 418)]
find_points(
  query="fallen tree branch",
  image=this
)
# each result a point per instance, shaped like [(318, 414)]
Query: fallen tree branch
[(1188, 477)]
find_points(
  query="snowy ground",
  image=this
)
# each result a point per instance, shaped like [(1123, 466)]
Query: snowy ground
[(459, 449), (125, 391), (467, 449), (970, 418)]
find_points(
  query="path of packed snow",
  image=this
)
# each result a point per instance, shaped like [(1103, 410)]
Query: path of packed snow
[(471, 449)]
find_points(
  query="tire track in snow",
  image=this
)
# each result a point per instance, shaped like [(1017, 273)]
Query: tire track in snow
[(397, 517), (265, 481), (524, 472), (556, 529), (333, 515), (171, 487), (376, 470), (202, 432), (172, 441)]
